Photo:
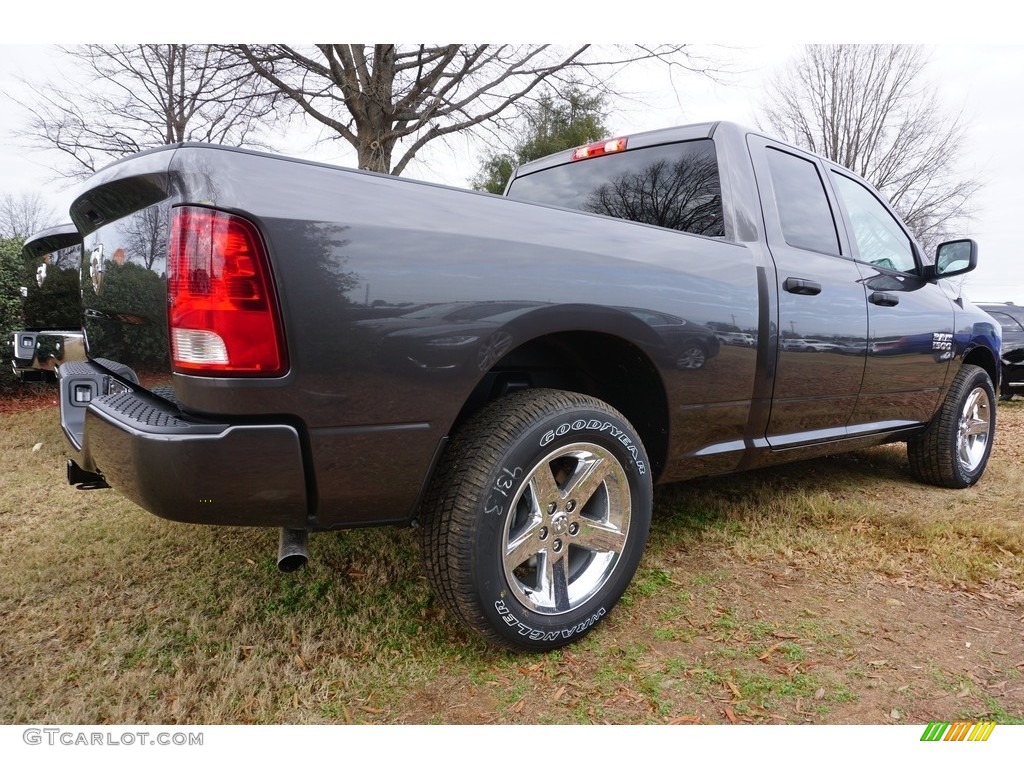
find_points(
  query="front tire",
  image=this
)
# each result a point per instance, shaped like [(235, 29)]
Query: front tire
[(953, 452), (537, 518)]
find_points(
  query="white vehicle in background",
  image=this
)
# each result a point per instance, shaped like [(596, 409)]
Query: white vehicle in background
[(736, 339)]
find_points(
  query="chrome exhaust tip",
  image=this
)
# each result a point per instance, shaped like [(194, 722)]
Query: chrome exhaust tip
[(292, 549)]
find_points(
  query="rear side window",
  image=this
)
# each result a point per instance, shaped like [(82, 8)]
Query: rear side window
[(804, 212), (672, 185)]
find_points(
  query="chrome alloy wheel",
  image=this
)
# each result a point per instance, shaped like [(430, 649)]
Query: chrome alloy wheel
[(974, 429), (568, 525)]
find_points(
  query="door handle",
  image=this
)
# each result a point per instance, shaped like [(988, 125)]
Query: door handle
[(802, 287), (883, 299)]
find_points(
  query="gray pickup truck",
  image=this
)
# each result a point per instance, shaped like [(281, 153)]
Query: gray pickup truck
[(324, 348)]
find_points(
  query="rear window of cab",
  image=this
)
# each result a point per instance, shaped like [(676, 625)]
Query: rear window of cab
[(671, 185)]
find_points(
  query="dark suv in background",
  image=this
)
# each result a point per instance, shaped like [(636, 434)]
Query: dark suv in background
[(1011, 317)]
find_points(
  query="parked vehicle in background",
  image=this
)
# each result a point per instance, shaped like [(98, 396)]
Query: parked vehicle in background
[(1011, 318), (52, 306), (736, 338), (328, 348), (684, 344)]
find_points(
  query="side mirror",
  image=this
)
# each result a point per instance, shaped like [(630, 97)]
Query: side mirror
[(955, 257)]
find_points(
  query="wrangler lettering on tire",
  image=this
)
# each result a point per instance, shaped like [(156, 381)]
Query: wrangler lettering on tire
[(537, 519)]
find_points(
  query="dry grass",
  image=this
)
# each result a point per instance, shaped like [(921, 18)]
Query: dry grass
[(819, 592)]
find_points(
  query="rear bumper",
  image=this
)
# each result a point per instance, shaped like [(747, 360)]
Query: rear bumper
[(177, 466)]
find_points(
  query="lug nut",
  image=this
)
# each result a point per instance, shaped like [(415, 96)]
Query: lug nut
[(557, 545), (574, 528), (543, 533), (552, 507), (570, 505)]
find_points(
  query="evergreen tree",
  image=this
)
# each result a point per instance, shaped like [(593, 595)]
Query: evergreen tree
[(552, 124)]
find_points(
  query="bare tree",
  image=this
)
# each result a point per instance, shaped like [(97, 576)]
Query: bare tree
[(23, 216), (378, 96), (868, 108), (140, 96)]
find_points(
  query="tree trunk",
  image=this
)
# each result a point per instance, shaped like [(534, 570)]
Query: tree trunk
[(374, 155)]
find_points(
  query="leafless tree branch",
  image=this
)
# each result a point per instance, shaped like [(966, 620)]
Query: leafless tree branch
[(140, 96), (24, 215), (867, 108), (390, 101)]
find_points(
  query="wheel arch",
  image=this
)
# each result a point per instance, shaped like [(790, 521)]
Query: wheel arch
[(596, 363), (984, 358)]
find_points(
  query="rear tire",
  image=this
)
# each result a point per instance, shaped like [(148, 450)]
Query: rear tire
[(536, 519), (953, 452)]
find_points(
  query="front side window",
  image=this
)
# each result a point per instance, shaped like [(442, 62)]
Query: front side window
[(879, 238), (804, 212), (671, 185)]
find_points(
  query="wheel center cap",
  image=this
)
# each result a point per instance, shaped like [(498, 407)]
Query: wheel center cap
[(560, 523)]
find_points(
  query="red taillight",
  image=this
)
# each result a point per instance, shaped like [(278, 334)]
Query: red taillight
[(223, 314), (606, 147)]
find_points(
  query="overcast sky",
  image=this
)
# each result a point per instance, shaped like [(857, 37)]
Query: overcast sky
[(985, 81)]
